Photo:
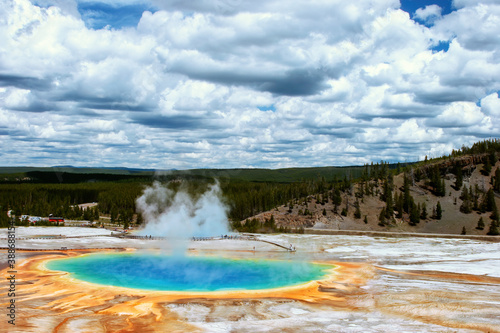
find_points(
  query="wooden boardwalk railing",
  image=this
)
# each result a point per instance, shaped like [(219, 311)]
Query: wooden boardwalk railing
[(224, 237)]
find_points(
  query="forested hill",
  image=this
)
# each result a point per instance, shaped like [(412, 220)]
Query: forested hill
[(71, 175), (443, 195), (44, 191), (455, 194)]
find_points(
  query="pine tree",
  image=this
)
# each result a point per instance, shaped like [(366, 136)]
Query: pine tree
[(87, 215), (361, 189), (464, 195), (475, 204), (407, 198), (480, 224), (343, 212), (357, 213), (415, 215), (493, 229), (496, 183), (385, 190), (423, 215), (459, 178), (439, 211), (4, 219), (442, 189), (337, 199), (235, 225), (435, 179), (389, 204), (494, 215), (486, 167), (493, 158), (466, 206), (398, 199), (114, 214), (381, 217), (140, 219), (488, 201)]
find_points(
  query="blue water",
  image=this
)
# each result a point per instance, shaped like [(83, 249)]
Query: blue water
[(190, 273)]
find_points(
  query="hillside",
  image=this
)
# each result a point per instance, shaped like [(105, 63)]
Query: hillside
[(320, 211), (71, 175), (376, 196)]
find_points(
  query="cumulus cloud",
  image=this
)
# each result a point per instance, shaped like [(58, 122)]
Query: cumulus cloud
[(458, 114), (428, 14), (474, 25), (230, 83), (465, 3), (491, 105)]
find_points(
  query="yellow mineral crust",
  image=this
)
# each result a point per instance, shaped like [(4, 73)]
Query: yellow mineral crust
[(52, 301), (42, 292)]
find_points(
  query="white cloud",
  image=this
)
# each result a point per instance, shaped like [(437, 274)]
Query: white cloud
[(458, 114), (100, 125), (490, 105), (428, 14), (475, 26), (466, 3), (233, 83), (112, 138), (411, 131), (17, 98), (66, 6)]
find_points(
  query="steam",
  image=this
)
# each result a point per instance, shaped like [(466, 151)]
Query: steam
[(177, 215)]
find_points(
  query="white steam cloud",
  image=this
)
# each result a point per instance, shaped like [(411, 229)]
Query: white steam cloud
[(177, 215)]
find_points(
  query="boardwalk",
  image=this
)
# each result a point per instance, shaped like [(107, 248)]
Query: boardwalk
[(126, 236), (224, 237)]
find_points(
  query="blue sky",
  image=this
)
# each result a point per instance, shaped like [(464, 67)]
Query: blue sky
[(99, 15), (233, 83), (411, 6)]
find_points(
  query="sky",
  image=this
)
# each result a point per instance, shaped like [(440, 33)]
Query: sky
[(173, 84)]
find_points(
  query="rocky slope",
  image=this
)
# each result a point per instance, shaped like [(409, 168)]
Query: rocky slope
[(320, 214)]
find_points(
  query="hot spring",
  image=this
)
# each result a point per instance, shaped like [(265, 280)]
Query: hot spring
[(189, 273)]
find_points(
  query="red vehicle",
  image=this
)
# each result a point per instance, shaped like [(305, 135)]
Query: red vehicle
[(56, 219)]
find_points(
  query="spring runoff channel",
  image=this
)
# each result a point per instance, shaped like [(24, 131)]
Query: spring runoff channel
[(189, 273)]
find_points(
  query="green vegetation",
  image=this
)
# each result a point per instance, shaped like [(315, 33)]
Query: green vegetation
[(78, 175), (480, 224), (439, 211), (248, 192)]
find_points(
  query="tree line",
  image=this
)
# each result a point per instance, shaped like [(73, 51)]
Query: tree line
[(248, 198), (118, 199)]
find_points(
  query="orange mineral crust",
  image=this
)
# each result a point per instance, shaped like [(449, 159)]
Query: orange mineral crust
[(53, 301)]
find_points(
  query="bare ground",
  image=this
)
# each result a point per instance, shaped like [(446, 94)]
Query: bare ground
[(451, 222)]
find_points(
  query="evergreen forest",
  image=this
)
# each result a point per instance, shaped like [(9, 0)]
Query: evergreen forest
[(247, 192)]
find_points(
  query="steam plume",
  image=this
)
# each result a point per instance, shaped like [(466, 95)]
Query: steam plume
[(177, 215)]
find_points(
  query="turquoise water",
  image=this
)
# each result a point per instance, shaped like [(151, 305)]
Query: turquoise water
[(190, 273)]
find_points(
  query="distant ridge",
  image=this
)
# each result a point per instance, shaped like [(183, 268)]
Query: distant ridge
[(286, 175), (71, 174), (105, 168), (73, 169)]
